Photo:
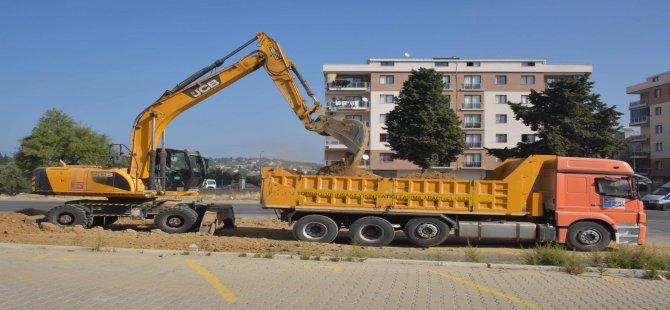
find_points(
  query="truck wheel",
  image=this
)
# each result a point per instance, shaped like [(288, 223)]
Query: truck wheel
[(104, 220), (427, 231), (69, 215), (316, 228), (176, 220), (588, 236), (371, 231)]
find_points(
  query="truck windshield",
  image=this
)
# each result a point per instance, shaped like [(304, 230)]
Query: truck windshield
[(614, 187)]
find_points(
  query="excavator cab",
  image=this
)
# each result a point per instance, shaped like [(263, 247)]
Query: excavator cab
[(184, 170)]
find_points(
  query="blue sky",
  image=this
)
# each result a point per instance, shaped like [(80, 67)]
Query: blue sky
[(102, 62)]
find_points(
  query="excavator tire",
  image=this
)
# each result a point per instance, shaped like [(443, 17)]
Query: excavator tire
[(176, 220), (69, 215)]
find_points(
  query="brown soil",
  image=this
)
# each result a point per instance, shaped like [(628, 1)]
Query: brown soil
[(251, 236), (341, 168)]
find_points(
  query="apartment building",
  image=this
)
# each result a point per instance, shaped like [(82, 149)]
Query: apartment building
[(478, 89), (650, 150)]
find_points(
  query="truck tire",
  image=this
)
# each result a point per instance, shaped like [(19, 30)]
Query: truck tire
[(588, 236), (371, 231), (316, 228), (104, 220), (427, 231), (69, 215), (176, 220)]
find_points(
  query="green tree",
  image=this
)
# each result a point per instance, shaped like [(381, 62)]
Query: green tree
[(422, 128), (570, 120), (57, 137), (4, 159), (12, 180)]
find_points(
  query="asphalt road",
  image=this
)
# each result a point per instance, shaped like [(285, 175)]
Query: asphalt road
[(242, 208)]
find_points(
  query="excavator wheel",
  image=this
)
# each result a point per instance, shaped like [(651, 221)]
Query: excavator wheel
[(176, 220), (69, 215)]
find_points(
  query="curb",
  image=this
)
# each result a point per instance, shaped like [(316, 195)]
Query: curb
[(634, 273)]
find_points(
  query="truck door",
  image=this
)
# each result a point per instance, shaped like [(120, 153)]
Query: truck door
[(614, 197)]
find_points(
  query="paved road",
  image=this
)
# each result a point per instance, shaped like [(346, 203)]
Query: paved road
[(242, 208), (58, 279)]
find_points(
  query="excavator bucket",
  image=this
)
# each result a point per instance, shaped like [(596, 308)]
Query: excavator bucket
[(352, 133)]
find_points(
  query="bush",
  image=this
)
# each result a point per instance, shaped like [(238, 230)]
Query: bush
[(13, 180), (555, 255), (637, 258)]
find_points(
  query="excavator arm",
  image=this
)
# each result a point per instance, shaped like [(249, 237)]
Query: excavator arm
[(150, 125)]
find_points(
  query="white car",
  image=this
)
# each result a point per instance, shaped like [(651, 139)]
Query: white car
[(209, 183), (658, 199)]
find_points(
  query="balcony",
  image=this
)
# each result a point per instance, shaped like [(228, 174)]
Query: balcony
[(638, 120), (348, 105), (638, 104), (472, 106), (639, 155), (638, 138), (472, 164), (348, 85), (473, 145), (472, 125), (472, 86), (332, 143)]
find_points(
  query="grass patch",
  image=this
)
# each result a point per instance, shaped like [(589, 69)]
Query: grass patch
[(257, 255), (555, 255), (472, 254), (359, 251), (305, 256), (269, 254), (242, 255), (657, 264)]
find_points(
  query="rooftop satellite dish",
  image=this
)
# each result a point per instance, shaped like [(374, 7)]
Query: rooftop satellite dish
[(407, 55)]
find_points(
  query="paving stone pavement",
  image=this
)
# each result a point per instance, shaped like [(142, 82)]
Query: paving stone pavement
[(59, 279)]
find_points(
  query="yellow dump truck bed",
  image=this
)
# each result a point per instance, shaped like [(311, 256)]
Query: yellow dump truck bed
[(507, 192)]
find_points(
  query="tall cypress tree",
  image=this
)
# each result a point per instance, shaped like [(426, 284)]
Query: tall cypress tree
[(570, 120), (422, 128)]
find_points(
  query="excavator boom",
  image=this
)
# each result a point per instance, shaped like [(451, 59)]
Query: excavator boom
[(151, 123)]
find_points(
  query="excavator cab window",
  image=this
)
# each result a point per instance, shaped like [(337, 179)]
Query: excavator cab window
[(184, 170)]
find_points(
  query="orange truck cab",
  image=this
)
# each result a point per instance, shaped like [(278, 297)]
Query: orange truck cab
[(597, 199)]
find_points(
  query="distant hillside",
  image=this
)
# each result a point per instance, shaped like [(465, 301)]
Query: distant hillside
[(251, 166)]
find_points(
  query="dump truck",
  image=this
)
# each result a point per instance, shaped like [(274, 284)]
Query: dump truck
[(584, 203)]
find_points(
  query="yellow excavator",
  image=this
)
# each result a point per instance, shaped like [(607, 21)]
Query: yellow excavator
[(156, 173)]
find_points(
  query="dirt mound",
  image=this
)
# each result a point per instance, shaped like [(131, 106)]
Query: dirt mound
[(15, 223), (341, 168), (446, 175)]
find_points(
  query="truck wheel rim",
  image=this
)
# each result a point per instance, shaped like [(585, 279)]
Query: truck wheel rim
[(589, 236), (371, 232), (65, 219), (427, 230), (174, 221), (315, 230)]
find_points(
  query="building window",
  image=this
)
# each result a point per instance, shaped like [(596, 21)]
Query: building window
[(527, 80), (659, 164), (472, 121), (501, 138), (383, 137), (654, 79), (530, 138), (501, 118), (387, 63), (657, 93), (658, 110), (473, 160), (385, 157), (386, 79), (524, 99), (442, 64), (473, 140), (386, 99), (382, 118), (472, 102), (501, 79), (659, 128), (356, 117), (528, 64), (445, 80), (501, 99), (473, 64), (472, 82), (659, 147)]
